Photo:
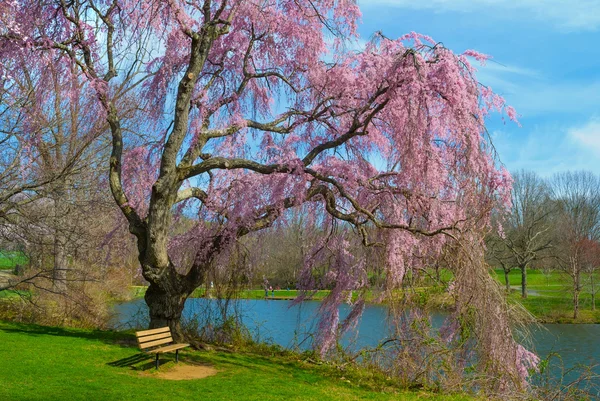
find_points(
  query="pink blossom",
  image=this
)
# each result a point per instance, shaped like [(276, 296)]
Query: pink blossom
[(482, 58), (526, 361)]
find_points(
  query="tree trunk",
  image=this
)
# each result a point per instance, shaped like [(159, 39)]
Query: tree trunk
[(165, 308), (506, 279), (524, 282), (576, 291), (593, 291), (59, 269)]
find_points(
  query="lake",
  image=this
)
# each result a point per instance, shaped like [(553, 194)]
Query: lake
[(281, 323)]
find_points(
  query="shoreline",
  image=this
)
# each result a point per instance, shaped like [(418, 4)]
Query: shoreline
[(435, 300)]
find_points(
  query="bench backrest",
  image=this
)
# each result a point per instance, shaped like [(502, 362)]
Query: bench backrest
[(152, 338)]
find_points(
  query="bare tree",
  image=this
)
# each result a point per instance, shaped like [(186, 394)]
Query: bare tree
[(527, 230), (577, 195), (50, 141), (591, 261)]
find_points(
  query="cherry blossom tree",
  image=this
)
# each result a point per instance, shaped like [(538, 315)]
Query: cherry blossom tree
[(254, 107)]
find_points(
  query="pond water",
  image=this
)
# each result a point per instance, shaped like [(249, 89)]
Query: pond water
[(285, 324)]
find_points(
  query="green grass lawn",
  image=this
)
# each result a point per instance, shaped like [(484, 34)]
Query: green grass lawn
[(46, 363), (535, 278), (538, 280), (9, 259), (260, 294), (550, 296), (139, 291)]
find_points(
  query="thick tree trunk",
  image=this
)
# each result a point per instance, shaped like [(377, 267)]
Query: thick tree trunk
[(165, 308), (524, 282), (507, 281)]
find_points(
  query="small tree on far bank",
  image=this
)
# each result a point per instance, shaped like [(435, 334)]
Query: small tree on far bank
[(497, 255), (591, 263), (577, 195), (526, 234)]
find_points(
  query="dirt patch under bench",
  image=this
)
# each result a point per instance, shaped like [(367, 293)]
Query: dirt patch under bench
[(182, 371)]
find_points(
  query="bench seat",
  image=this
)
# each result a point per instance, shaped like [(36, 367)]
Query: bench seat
[(158, 341), (168, 348)]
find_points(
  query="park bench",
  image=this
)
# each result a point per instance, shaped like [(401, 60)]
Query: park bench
[(158, 341)]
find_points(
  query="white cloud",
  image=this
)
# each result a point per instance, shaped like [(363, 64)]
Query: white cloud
[(498, 68), (580, 15), (550, 148), (505, 79), (533, 93), (587, 136)]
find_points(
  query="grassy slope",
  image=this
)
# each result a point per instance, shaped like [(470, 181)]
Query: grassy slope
[(45, 363)]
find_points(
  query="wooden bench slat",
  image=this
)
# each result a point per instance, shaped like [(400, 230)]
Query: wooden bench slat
[(156, 342), (152, 338), (146, 339), (168, 348), (153, 331)]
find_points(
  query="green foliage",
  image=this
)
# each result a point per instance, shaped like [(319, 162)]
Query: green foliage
[(138, 291), (55, 363), (6, 294), (9, 259)]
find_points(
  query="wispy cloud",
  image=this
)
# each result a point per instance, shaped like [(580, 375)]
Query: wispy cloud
[(550, 148), (499, 68), (587, 135), (533, 93), (580, 15), (506, 79)]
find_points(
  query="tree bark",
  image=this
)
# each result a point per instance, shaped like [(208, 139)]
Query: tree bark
[(168, 292), (593, 291), (524, 282), (165, 307), (507, 281), (576, 291), (59, 269)]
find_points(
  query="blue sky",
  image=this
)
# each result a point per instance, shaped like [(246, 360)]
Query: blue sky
[(546, 63)]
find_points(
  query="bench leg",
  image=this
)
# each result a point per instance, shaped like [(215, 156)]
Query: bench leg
[(157, 360), (177, 355)]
